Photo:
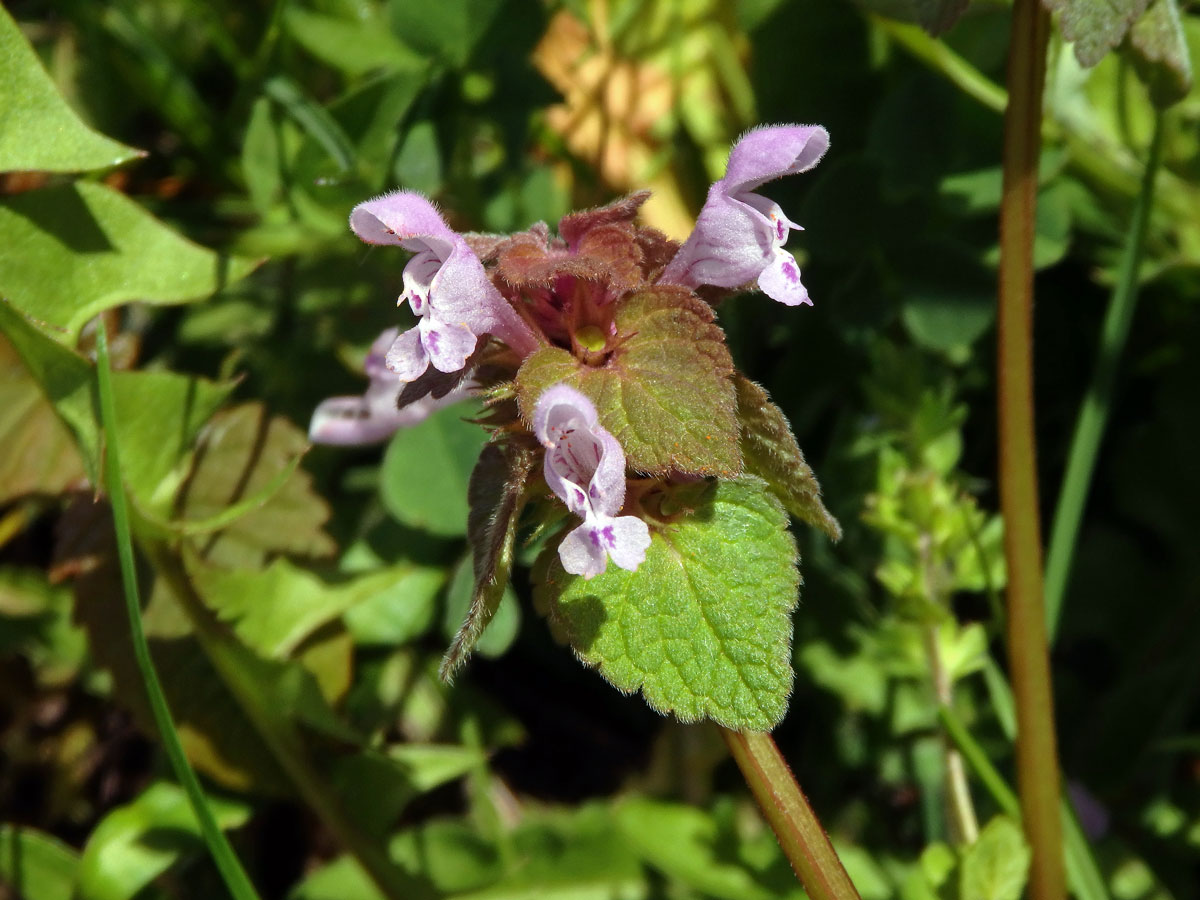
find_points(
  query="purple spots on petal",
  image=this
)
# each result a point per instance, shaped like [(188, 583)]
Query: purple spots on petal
[(593, 493), (595, 537), (780, 230), (791, 272), (610, 539), (431, 340)]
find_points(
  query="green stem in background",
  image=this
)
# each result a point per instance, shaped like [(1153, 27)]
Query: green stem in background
[(285, 742), (1093, 414), (785, 807), (960, 810), (1083, 874), (226, 860), (1028, 654)]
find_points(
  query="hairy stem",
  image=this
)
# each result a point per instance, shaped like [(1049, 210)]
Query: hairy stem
[(236, 880), (1037, 757), (785, 807), (1093, 414)]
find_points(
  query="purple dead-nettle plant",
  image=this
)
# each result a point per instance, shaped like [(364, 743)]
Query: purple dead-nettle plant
[(611, 398)]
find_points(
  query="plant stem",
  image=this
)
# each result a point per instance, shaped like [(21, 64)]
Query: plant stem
[(226, 860), (960, 811), (1093, 414), (796, 827), (1037, 758)]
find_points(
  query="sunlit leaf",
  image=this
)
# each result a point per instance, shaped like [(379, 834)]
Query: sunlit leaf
[(38, 130)]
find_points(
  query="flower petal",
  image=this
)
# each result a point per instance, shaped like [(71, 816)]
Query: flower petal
[(781, 281), (626, 540), (448, 345), (730, 245), (582, 552), (400, 216), (772, 152), (407, 357)]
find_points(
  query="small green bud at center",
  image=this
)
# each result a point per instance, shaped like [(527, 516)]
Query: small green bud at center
[(591, 338)]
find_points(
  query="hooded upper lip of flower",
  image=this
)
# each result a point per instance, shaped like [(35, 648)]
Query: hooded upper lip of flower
[(444, 283), (585, 467), (739, 235), (374, 416)]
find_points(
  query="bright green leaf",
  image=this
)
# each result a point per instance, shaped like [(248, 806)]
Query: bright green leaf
[(427, 468), (665, 392), (501, 628), (73, 250), (996, 865), (38, 130), (400, 610), (135, 843), (681, 842), (356, 46), (273, 610), (703, 626), (36, 865)]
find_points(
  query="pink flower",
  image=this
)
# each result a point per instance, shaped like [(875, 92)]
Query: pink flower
[(374, 416), (444, 283), (585, 467), (739, 235)]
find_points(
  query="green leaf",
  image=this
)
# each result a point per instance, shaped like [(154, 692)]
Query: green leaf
[(426, 471), (158, 413), (242, 451), (37, 866), (35, 622), (400, 610), (665, 392), (1160, 53), (274, 610), (73, 250), (135, 843), (1095, 27), (996, 866), (356, 46), (703, 626), (38, 130), (448, 30), (682, 842), (495, 496), (771, 452), (37, 450)]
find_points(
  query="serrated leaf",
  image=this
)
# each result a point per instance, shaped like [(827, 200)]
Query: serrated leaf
[(38, 130), (1095, 27), (703, 627), (274, 610), (426, 471), (242, 450), (996, 866), (36, 865), (770, 451), (665, 392), (1160, 53), (74, 250), (136, 842), (495, 497)]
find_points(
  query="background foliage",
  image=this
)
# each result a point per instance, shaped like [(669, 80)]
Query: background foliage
[(298, 601)]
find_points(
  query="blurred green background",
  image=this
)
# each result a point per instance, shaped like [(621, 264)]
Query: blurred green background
[(303, 674)]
